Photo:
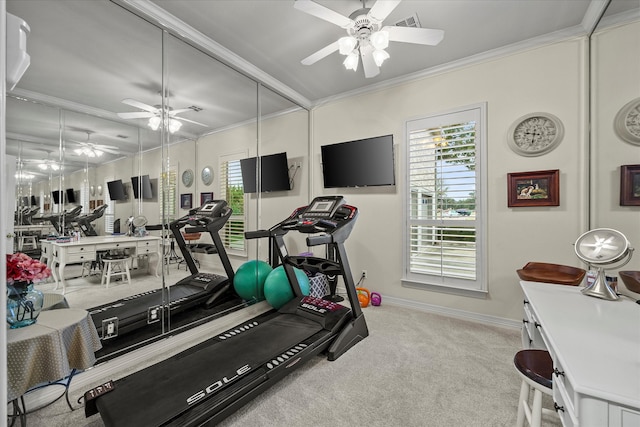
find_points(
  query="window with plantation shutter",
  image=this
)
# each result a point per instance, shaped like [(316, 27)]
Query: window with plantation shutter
[(167, 196), (232, 191), (109, 213), (444, 243)]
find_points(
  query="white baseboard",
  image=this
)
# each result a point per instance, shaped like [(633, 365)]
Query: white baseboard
[(452, 312)]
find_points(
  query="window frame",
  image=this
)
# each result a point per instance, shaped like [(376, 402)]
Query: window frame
[(465, 287)]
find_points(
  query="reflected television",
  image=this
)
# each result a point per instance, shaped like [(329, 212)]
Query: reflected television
[(274, 175)]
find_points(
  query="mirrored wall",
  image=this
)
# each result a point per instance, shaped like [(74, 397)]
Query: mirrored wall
[(615, 83), (130, 103)]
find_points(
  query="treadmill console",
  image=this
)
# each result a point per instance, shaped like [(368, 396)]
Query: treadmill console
[(324, 213)]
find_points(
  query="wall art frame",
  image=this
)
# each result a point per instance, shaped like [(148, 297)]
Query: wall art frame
[(530, 189), (630, 185), (186, 201), (205, 197)]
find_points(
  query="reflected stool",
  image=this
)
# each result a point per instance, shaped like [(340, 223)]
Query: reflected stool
[(535, 368), (115, 265)]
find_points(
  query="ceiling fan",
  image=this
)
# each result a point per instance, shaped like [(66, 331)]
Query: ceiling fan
[(366, 37), (90, 149), (154, 114)]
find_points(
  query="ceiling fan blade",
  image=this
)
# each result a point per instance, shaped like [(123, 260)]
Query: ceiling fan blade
[(100, 147), (182, 119), (383, 8), (319, 11), (107, 150), (325, 51), (139, 105), (182, 110), (370, 67), (136, 115), (425, 36)]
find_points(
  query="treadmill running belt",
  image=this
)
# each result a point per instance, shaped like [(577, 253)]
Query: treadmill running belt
[(163, 391)]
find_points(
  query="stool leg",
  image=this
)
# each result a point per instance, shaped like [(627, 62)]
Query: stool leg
[(126, 267), (104, 273), (522, 402), (536, 409), (109, 274)]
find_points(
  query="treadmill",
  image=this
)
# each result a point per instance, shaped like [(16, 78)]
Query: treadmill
[(65, 217), (208, 382), (138, 311), (84, 221)]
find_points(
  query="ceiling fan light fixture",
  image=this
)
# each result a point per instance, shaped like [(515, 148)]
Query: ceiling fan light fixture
[(154, 122), (379, 56), (347, 44), (351, 62), (380, 40), (174, 125)]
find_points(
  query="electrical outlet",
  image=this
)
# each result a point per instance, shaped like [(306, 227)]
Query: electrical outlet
[(364, 273), (109, 328)]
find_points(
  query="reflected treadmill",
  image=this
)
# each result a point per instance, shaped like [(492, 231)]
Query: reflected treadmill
[(207, 383), (137, 311)]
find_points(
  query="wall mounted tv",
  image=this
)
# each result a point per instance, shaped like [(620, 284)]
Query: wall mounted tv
[(147, 190), (361, 163), (34, 201), (116, 190), (71, 196), (57, 195), (274, 173)]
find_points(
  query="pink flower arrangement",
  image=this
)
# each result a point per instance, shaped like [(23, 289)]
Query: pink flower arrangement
[(22, 268)]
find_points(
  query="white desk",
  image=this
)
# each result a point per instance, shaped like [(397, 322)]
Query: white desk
[(86, 249), (596, 345)]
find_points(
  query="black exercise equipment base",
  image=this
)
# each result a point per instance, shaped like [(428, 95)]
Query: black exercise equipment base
[(208, 382)]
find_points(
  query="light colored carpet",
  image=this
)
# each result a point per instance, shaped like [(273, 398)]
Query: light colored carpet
[(415, 369)]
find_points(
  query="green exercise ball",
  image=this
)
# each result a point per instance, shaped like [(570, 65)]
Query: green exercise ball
[(277, 289), (249, 279)]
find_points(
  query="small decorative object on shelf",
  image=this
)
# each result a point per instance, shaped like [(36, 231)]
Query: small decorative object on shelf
[(23, 301)]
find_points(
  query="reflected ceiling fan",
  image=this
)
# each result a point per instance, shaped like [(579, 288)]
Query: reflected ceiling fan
[(90, 149), (366, 37), (154, 114)]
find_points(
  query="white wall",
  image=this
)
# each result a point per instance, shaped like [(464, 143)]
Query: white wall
[(547, 79)]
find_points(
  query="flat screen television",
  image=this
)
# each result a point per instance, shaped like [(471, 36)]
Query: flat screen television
[(116, 190), (56, 195), (147, 191), (274, 173), (71, 197), (361, 163), (34, 201)]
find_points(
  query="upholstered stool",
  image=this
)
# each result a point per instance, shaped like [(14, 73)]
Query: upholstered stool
[(536, 368), (115, 265)]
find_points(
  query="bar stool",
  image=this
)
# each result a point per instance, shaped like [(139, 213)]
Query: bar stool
[(27, 240), (535, 367), (115, 265)]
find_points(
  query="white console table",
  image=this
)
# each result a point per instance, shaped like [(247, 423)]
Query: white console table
[(86, 248), (595, 347)]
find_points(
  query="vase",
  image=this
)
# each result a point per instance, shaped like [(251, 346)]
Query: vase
[(24, 304)]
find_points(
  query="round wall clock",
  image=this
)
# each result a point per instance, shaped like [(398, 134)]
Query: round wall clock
[(535, 134), (187, 177), (207, 175), (627, 122)]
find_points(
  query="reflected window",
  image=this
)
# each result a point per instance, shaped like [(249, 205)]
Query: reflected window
[(232, 191)]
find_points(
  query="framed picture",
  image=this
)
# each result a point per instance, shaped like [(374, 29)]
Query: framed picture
[(540, 188), (205, 197), (99, 202), (186, 201), (92, 204), (630, 185)]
